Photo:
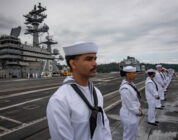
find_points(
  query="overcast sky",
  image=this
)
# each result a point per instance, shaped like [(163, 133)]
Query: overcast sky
[(144, 29)]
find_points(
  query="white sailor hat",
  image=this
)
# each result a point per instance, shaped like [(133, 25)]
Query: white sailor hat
[(150, 70), (158, 66), (80, 48), (129, 69)]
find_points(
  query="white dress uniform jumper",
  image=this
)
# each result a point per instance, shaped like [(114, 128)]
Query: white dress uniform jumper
[(151, 91), (159, 83), (129, 110), (162, 74), (69, 116)]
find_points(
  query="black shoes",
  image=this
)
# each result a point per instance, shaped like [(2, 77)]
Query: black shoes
[(159, 108), (157, 122), (162, 106), (154, 124)]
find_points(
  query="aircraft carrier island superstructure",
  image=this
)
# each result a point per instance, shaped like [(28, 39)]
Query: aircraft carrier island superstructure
[(19, 60)]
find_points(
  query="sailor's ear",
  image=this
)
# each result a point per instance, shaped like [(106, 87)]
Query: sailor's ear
[(72, 64), (127, 74)]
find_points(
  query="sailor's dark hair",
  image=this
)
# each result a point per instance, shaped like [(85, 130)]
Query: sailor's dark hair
[(122, 73), (68, 58), (150, 73)]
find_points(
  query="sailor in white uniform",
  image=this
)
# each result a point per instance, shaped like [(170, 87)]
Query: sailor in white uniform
[(130, 111), (170, 74), (159, 81), (166, 78), (75, 111), (151, 91)]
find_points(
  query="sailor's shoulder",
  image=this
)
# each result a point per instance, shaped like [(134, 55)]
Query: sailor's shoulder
[(60, 98), (148, 80), (63, 91), (124, 87)]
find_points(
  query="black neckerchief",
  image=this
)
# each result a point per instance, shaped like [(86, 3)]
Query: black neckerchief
[(164, 75), (161, 76), (138, 93), (94, 109), (155, 84)]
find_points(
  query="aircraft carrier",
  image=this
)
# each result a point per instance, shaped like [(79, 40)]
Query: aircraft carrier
[(18, 60)]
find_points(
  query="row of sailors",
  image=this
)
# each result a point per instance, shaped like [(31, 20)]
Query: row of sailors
[(75, 111), (33, 75), (163, 79), (156, 84)]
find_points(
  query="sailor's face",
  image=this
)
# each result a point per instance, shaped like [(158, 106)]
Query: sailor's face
[(153, 75), (159, 69), (86, 65), (132, 75)]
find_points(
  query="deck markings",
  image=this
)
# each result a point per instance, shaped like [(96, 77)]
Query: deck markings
[(30, 101), (3, 128), (23, 125), (27, 92), (23, 88), (11, 120)]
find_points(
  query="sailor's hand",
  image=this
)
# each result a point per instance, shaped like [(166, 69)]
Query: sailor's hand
[(140, 112), (158, 98)]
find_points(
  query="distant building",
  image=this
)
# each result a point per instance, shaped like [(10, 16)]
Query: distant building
[(143, 68), (131, 61)]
